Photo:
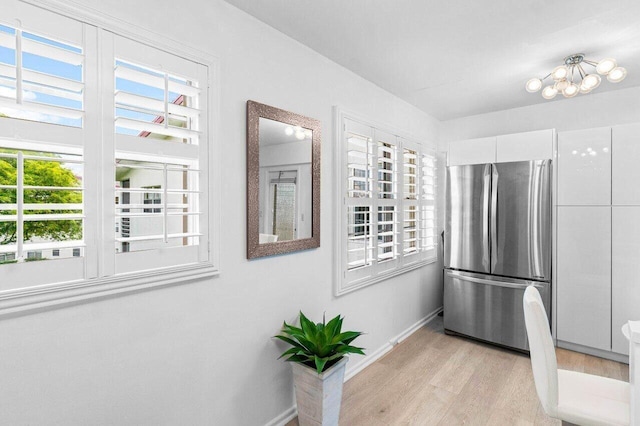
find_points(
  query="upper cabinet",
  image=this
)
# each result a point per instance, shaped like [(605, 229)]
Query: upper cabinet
[(584, 167), (527, 146), (472, 151), (625, 173)]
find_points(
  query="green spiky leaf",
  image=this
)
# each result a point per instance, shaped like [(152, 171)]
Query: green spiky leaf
[(318, 345)]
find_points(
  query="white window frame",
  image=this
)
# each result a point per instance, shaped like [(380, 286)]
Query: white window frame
[(347, 280), (95, 282)]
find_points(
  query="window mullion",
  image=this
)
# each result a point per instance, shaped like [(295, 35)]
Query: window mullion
[(20, 206), (373, 146), (165, 224), (400, 201), (106, 162)]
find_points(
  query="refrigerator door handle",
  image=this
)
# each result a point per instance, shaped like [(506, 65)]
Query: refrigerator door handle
[(539, 214), (493, 226), (486, 189), (496, 283)]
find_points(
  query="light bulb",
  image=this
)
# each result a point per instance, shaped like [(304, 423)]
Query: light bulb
[(288, 131), (571, 90), (559, 72), (549, 92), (308, 133), (561, 85), (591, 81), (533, 85), (605, 66), (617, 74), (300, 135)]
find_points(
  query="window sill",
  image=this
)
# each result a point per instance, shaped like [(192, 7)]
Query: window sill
[(51, 295), (344, 288)]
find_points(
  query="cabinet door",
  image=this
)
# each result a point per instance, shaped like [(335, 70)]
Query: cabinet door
[(472, 151), (625, 157), (584, 167), (584, 276), (625, 279), (527, 146)]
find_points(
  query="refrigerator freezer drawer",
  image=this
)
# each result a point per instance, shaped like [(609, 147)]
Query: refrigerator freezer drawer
[(489, 308)]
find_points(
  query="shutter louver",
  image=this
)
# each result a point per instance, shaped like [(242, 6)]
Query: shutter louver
[(155, 104), (158, 148), (40, 79)]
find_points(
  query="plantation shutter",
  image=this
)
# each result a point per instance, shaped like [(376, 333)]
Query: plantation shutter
[(428, 194), (387, 201), (45, 234), (359, 202), (388, 213), (159, 109), (411, 204)]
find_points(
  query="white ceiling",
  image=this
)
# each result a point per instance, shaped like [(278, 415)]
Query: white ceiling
[(452, 58)]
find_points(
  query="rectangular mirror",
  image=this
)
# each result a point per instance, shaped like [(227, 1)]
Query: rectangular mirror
[(283, 181)]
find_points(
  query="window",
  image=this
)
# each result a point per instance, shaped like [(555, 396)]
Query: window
[(387, 193), (67, 152), (152, 198)]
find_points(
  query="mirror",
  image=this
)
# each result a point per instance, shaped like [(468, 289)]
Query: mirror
[(283, 181)]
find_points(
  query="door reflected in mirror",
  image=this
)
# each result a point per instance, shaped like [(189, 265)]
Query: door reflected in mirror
[(283, 181)]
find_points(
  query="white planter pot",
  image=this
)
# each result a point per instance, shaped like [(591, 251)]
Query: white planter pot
[(318, 396)]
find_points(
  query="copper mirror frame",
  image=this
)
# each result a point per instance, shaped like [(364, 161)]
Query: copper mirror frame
[(256, 111)]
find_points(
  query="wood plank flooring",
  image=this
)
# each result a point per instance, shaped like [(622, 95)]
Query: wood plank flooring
[(435, 379)]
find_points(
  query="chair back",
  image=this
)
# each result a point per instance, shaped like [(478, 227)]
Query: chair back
[(543, 354)]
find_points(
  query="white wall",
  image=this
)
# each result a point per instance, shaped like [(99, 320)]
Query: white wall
[(201, 352), (582, 112)]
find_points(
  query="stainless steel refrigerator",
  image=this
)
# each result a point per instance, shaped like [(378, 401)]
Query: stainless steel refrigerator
[(497, 242)]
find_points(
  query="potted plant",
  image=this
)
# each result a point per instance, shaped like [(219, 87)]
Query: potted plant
[(319, 356)]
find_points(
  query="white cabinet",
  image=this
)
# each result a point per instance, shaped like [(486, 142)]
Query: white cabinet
[(625, 173), (537, 145), (472, 151), (584, 276), (527, 146), (625, 278), (584, 167)]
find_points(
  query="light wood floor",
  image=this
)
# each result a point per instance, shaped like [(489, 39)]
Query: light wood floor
[(435, 379)]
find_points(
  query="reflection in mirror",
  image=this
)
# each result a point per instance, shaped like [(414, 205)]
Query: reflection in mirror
[(283, 178), (285, 181)]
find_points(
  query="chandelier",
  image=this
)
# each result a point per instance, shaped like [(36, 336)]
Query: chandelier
[(571, 78)]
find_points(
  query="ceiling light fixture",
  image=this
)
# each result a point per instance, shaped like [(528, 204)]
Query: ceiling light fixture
[(571, 78)]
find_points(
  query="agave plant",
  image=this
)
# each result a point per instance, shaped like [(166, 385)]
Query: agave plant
[(318, 345)]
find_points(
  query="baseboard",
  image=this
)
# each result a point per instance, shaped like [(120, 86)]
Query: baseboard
[(289, 414), (284, 418), (613, 356)]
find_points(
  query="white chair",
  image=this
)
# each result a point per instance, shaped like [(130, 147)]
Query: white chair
[(570, 396)]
